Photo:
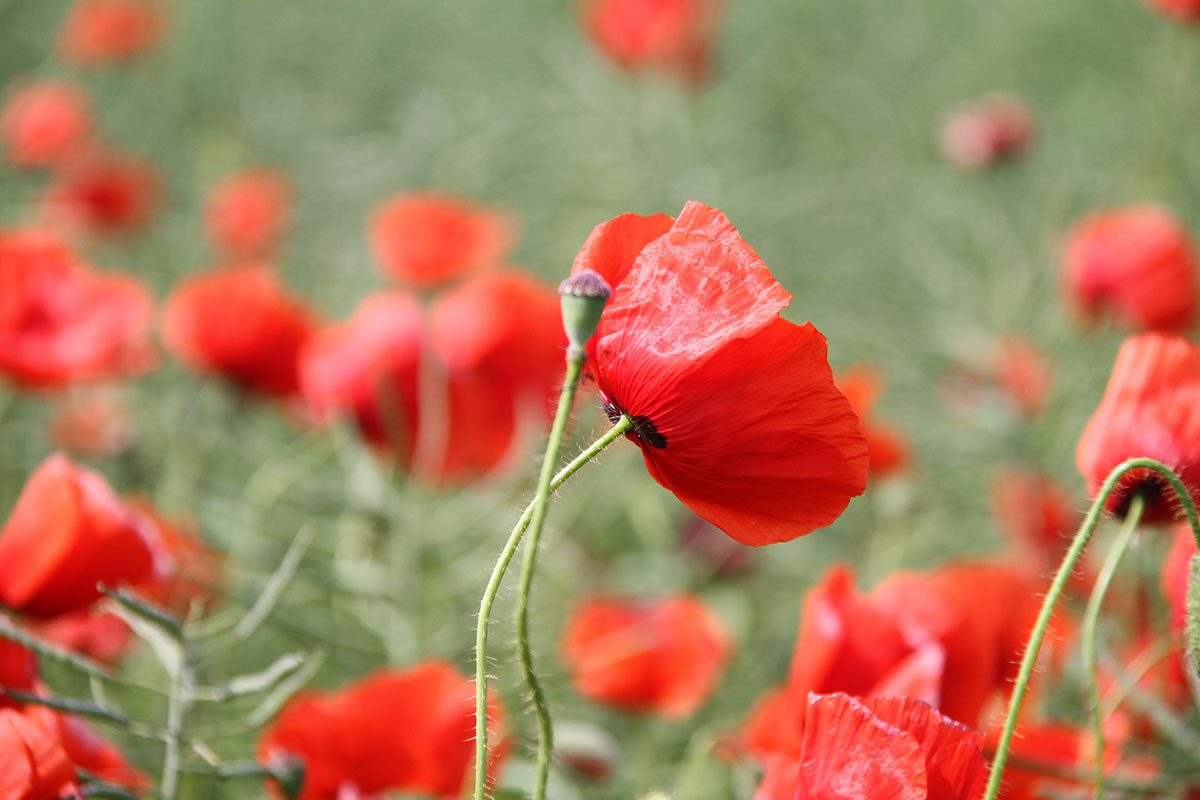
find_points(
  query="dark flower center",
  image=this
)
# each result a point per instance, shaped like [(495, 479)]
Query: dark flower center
[(643, 427)]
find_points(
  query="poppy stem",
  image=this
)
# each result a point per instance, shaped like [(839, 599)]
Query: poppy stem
[(541, 505), (1091, 619), (1065, 570), (622, 426)]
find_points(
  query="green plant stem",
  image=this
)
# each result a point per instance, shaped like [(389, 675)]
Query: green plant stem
[(537, 522), (1091, 620), (173, 738), (622, 426), (1065, 570)]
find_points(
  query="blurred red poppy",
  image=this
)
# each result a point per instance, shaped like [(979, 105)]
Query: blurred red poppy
[(408, 730), (1176, 572), (63, 322), (673, 36), (893, 747), (45, 122), (110, 31), (101, 193), (952, 637), (663, 656), (33, 763), (1035, 515), (100, 635), (994, 128), (18, 668), (888, 447), (93, 754), (67, 532), (1151, 408), (734, 408), (187, 571), (451, 402), (1138, 264), (1023, 374), (1182, 10), (246, 214), (427, 239), (242, 324)]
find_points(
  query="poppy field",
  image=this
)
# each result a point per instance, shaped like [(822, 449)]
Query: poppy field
[(656, 399)]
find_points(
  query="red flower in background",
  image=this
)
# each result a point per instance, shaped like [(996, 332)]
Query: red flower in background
[(103, 194), (45, 122), (994, 128), (1182, 10), (406, 730), (450, 402), (93, 754), (62, 322), (111, 31), (67, 532), (735, 408), (33, 763), (669, 35), (92, 421), (239, 323), (662, 656), (1176, 572), (893, 747), (1023, 373), (428, 239), (1036, 516), (18, 669), (1151, 408), (952, 637), (1139, 264), (246, 214), (889, 450)]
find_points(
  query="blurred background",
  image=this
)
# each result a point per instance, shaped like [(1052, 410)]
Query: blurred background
[(815, 128)]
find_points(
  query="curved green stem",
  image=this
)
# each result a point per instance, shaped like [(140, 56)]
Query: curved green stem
[(1091, 619), (1065, 570), (493, 586), (541, 505)]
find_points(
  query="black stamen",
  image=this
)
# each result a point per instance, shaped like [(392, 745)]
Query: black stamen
[(643, 427)]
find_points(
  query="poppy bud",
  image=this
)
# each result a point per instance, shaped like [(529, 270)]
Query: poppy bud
[(584, 296)]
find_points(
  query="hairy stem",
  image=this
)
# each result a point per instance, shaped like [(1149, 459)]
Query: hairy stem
[(1065, 570), (1091, 620), (493, 586)]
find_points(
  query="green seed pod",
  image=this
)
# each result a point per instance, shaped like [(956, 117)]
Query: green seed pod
[(584, 296)]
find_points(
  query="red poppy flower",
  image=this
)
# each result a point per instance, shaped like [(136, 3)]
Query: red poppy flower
[(428, 239), (45, 122), (1023, 374), (187, 571), (660, 657), (102, 636), (889, 450), (735, 408), (451, 402), (669, 35), (102, 193), (68, 532), (18, 668), (847, 643), (61, 321), (1182, 10), (1139, 264), (33, 763), (1035, 515), (1176, 573), (992, 129), (406, 730), (1151, 409), (240, 323), (110, 31), (893, 747), (246, 214)]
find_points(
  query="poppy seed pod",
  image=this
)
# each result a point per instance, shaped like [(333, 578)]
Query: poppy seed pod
[(584, 296)]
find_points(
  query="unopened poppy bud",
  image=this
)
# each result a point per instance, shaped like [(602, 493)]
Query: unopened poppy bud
[(584, 295), (288, 772)]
